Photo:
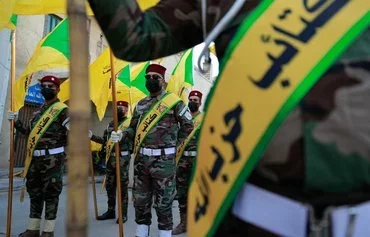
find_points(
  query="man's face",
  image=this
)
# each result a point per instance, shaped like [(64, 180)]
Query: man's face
[(50, 85), (122, 111), (195, 99), (194, 103), (49, 90), (156, 78), (123, 108)]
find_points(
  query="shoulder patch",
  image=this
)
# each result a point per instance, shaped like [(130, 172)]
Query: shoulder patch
[(188, 115), (66, 121), (183, 110)]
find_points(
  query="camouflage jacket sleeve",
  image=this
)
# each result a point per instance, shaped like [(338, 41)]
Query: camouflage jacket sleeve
[(167, 28), (98, 139), (19, 126), (64, 118), (185, 120), (129, 133), (106, 135)]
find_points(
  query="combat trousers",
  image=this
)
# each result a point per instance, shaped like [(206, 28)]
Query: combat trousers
[(111, 183), (44, 185), (154, 176), (183, 174)]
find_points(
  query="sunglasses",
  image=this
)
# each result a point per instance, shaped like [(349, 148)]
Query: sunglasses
[(155, 77), (48, 86)]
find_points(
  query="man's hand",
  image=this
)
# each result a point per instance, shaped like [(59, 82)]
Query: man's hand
[(116, 136), (12, 115)]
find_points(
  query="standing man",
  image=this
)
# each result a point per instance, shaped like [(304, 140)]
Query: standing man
[(185, 155), (47, 139), (110, 161), (160, 122)]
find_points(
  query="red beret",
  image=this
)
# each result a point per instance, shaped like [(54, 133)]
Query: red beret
[(196, 93), (122, 103), (52, 79), (156, 68)]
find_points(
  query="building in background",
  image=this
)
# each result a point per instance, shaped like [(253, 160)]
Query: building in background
[(30, 30)]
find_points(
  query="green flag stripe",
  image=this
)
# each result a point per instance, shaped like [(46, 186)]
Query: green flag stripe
[(13, 19), (59, 39), (124, 76), (182, 57), (139, 81), (189, 69)]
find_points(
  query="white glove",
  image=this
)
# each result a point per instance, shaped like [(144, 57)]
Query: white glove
[(90, 133), (12, 115), (116, 136)]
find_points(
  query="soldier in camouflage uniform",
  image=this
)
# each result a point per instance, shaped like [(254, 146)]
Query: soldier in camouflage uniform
[(155, 164), (111, 181), (45, 175), (320, 155), (185, 165)]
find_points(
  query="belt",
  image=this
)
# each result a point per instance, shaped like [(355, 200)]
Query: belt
[(190, 153), (287, 217), (45, 152), (351, 220), (123, 153), (157, 152), (272, 212)]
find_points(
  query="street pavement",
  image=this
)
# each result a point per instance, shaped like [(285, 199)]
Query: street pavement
[(95, 228)]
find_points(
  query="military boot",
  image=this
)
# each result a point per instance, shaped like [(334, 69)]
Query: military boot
[(47, 234), (110, 214), (181, 227), (30, 233)]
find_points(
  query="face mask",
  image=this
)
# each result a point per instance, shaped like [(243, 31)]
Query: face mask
[(193, 106), (48, 93), (120, 114), (153, 85)]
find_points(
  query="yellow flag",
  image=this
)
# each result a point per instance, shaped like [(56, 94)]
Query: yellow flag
[(138, 89), (127, 85), (145, 4), (100, 90), (131, 84), (52, 52), (6, 11), (42, 7), (130, 88), (95, 146), (182, 76), (12, 24)]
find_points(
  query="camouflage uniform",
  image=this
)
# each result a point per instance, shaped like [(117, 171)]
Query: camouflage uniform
[(322, 148), (183, 174), (45, 175), (155, 175), (111, 171), (168, 28)]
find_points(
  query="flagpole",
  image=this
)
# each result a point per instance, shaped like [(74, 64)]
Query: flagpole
[(11, 145), (117, 149), (79, 111)]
